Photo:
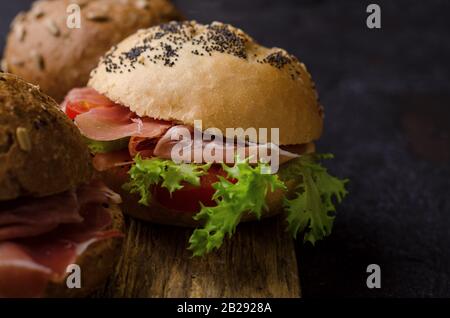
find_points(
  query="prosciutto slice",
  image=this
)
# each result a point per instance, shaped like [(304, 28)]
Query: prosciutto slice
[(156, 138), (219, 150), (20, 275), (56, 209), (106, 161), (116, 122), (86, 95), (24, 230), (28, 264), (107, 121)]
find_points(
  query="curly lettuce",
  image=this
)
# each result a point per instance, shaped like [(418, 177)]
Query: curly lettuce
[(247, 194), (96, 146), (146, 173), (310, 212), (244, 190)]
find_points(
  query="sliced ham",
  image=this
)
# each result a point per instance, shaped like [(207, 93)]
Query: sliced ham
[(178, 135), (150, 137), (107, 121), (20, 275), (31, 217), (25, 230), (106, 161), (188, 150), (28, 264), (59, 248), (142, 146), (116, 122), (86, 95), (97, 192), (60, 208)]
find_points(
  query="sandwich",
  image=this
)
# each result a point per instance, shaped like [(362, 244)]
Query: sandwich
[(56, 44), (170, 115), (54, 221)]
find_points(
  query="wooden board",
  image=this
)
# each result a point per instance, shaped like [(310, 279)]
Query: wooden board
[(259, 261)]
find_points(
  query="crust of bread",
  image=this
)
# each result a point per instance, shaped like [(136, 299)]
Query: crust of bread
[(41, 151), (44, 51), (186, 71), (96, 263)]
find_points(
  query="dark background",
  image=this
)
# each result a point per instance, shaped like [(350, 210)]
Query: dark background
[(386, 94)]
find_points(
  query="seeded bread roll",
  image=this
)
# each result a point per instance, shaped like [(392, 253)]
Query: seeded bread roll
[(41, 151), (43, 50), (186, 71)]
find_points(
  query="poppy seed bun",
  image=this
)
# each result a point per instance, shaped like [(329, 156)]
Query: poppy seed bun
[(96, 263), (41, 151), (186, 71), (43, 50)]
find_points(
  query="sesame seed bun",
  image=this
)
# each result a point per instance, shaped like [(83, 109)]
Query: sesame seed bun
[(188, 71), (41, 151), (43, 50)]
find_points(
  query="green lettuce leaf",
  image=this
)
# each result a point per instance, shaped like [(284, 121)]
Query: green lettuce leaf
[(245, 193), (310, 212), (155, 171), (96, 146)]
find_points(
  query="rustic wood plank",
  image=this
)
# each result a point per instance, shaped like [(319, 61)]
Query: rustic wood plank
[(259, 261)]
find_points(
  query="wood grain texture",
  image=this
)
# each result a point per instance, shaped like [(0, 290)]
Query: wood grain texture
[(259, 261)]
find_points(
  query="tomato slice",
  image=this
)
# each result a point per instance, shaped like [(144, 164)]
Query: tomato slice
[(81, 100), (188, 198), (77, 108)]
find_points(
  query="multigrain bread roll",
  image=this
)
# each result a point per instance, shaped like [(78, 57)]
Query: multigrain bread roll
[(32, 127), (43, 50), (51, 214)]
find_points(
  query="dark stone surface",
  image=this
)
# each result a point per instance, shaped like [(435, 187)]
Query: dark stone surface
[(387, 97)]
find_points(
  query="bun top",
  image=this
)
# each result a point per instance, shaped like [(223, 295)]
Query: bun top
[(41, 151), (43, 50), (185, 71)]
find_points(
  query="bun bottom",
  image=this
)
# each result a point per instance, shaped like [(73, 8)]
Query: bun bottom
[(157, 213), (97, 264)]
